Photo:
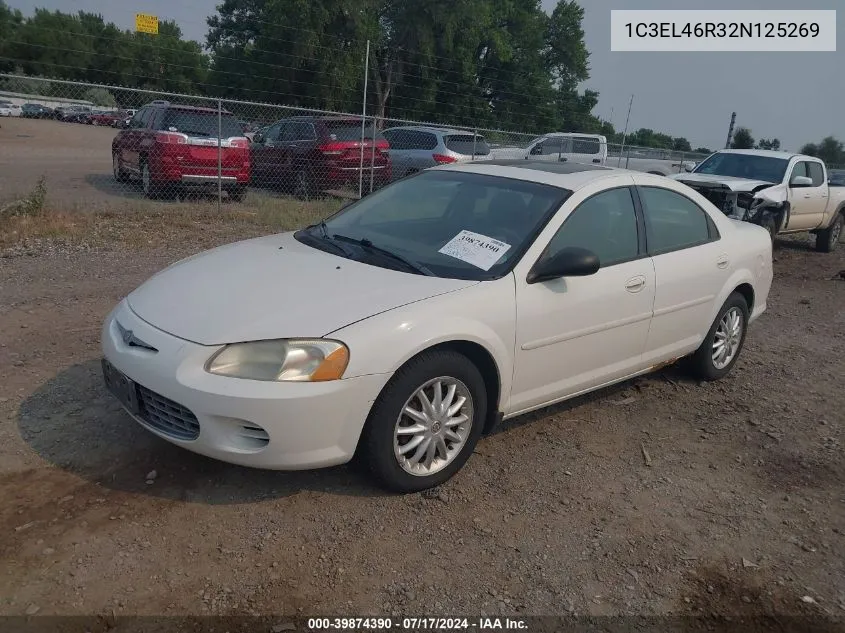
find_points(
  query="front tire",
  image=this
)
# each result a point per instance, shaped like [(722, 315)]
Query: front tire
[(721, 347), (303, 184), (426, 422), (237, 194), (827, 239), (770, 223)]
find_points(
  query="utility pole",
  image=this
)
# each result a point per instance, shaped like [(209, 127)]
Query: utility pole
[(625, 133), (730, 130)]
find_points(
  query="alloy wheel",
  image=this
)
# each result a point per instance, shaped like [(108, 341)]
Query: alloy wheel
[(727, 338), (433, 426)]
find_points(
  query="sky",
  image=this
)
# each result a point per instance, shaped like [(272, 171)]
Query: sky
[(796, 97)]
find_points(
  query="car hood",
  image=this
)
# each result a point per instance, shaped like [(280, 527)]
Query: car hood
[(274, 287), (714, 181)]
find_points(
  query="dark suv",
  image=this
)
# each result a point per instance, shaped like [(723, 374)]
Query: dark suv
[(172, 148), (311, 154)]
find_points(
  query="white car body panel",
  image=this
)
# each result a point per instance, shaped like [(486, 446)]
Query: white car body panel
[(244, 292), (549, 341)]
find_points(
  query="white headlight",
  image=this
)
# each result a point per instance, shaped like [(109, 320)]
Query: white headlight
[(299, 360)]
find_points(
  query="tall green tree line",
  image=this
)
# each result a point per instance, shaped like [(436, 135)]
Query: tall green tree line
[(485, 63)]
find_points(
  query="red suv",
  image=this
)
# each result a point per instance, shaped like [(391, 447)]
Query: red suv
[(172, 148), (312, 154)]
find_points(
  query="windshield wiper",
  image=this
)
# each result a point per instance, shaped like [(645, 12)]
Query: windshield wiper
[(368, 245), (325, 238)]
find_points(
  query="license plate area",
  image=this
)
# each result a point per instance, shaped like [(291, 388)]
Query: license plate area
[(121, 386)]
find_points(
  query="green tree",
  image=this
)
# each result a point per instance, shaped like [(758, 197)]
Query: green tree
[(100, 97), (83, 47), (10, 21), (742, 139), (468, 62), (770, 144), (703, 150), (680, 144), (830, 150)]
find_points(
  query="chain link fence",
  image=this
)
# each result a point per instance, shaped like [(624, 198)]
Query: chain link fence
[(170, 146)]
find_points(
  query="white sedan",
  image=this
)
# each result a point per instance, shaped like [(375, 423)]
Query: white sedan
[(405, 326), (9, 109)]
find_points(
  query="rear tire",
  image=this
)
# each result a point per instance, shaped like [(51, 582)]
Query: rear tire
[(726, 335), (453, 439), (150, 188), (827, 240), (117, 168)]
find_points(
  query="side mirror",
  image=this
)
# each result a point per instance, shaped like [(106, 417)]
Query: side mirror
[(801, 181), (569, 262)]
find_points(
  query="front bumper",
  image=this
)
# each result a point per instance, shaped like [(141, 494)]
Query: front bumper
[(305, 425)]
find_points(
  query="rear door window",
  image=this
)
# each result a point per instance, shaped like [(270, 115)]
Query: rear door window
[(467, 144), (674, 222), (816, 173)]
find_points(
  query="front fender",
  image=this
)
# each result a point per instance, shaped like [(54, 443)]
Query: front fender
[(484, 314)]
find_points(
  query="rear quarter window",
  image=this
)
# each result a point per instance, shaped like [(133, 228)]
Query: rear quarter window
[(585, 145), (467, 144)]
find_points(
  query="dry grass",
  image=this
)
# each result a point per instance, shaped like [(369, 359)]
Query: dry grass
[(141, 223)]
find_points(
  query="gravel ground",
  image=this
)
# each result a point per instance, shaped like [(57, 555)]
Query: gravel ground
[(739, 509), (658, 496)]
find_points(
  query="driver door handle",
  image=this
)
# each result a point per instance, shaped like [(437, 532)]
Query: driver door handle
[(635, 284)]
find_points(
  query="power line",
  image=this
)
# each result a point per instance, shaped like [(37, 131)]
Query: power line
[(440, 81)]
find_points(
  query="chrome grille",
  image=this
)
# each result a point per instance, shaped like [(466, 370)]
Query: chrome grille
[(166, 416)]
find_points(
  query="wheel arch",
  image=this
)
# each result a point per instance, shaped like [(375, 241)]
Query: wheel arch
[(747, 292), (483, 359), (742, 282)]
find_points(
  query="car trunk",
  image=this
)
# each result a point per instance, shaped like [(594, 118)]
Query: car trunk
[(195, 135), (343, 147)]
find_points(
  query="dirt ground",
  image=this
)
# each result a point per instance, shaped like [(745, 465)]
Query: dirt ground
[(658, 497), (75, 159)]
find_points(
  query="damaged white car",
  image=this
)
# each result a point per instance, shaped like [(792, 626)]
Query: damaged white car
[(782, 192)]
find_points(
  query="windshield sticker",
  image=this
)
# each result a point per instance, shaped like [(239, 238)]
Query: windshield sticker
[(476, 249)]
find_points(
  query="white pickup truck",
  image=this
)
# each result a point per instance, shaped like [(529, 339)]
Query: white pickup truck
[(593, 149), (782, 192)]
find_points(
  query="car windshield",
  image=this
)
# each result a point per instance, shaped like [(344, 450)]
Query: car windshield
[(467, 144), (750, 166), (451, 224), (200, 123)]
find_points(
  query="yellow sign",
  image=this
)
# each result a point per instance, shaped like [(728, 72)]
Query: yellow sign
[(145, 23)]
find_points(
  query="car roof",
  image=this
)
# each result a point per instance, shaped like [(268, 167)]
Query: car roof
[(188, 108), (317, 117), (553, 134), (566, 175), (432, 129), (759, 152)]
